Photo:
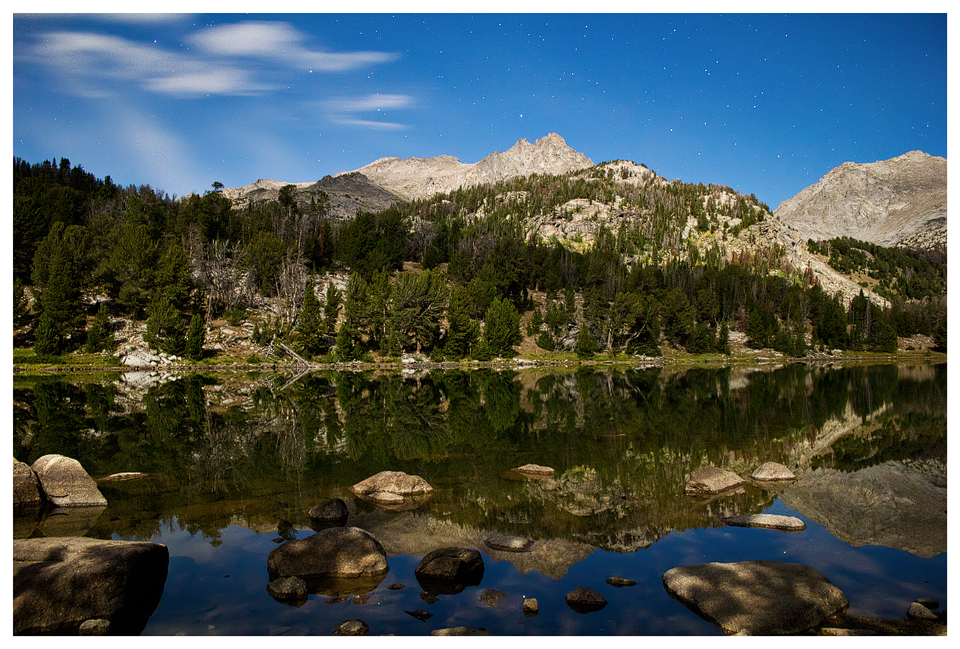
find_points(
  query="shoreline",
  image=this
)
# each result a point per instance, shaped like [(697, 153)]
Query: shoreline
[(762, 358)]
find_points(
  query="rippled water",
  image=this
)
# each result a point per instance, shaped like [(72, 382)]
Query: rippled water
[(236, 461)]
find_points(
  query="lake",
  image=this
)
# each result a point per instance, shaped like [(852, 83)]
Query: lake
[(236, 460)]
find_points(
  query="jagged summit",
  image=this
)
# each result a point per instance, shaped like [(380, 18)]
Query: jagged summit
[(423, 177), (898, 201)]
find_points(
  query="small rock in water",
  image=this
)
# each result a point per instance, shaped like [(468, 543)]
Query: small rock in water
[(331, 509), (95, 627), (396, 586), (420, 614), (772, 471), (491, 597), (508, 543), (918, 611), (286, 588), (768, 521), (619, 582), (461, 630), (352, 627), (711, 480), (585, 600), (531, 606), (535, 469)]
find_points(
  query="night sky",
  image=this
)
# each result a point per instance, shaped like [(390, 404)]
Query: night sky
[(767, 104)]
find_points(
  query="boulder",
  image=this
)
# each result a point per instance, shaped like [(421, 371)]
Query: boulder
[(585, 600), (329, 511), (65, 483), (343, 552), (756, 597), (619, 582), (772, 471), (535, 470), (767, 521), (60, 583), (288, 589), (26, 487), (352, 627), (506, 543), (918, 611), (708, 480), (531, 606), (394, 482), (461, 630), (448, 571)]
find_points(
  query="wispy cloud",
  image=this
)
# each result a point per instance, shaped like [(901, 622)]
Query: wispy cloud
[(281, 42), (340, 109), (229, 61)]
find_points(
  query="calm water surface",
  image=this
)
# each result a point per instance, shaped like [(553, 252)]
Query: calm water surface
[(236, 461)]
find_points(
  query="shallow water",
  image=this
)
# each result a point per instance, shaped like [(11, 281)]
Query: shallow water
[(236, 461)]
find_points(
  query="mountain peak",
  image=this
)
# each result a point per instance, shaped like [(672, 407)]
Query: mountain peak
[(414, 178)]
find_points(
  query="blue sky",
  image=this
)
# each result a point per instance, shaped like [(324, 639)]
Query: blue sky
[(767, 104)]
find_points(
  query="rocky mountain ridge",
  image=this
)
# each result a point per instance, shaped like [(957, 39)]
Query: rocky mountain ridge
[(413, 178), (901, 201)]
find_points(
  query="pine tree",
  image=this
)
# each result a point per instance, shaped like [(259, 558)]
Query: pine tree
[(47, 341), (310, 327), (463, 332), (196, 336), (100, 337), (331, 308), (165, 328), (501, 329)]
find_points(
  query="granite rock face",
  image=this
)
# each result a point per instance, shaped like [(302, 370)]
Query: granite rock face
[(65, 483), (26, 487), (756, 597), (901, 200), (413, 178)]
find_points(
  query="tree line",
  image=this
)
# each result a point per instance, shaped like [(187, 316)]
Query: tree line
[(88, 249)]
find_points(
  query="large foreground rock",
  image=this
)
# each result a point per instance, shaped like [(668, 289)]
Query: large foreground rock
[(60, 583), (756, 597), (26, 487), (344, 552), (707, 480), (393, 482), (65, 483)]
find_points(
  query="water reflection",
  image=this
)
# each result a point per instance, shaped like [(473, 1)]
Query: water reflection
[(258, 451)]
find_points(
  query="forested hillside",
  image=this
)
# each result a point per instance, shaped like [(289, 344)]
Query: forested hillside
[(609, 260)]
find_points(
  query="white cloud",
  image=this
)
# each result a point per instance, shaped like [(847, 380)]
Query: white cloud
[(368, 123), (368, 103), (339, 110), (90, 64), (280, 41)]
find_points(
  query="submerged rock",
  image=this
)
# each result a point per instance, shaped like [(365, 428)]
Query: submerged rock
[(330, 510), (767, 521), (352, 627), (491, 597), (756, 597), (506, 543), (461, 630), (708, 480), (288, 589), (585, 600), (619, 582), (60, 583)]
